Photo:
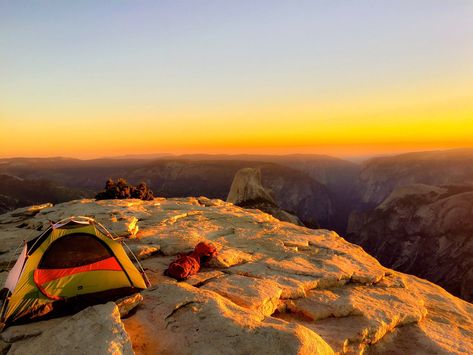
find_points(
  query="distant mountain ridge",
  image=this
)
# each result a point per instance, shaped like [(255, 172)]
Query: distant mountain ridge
[(380, 176), (294, 188), (17, 192), (319, 190)]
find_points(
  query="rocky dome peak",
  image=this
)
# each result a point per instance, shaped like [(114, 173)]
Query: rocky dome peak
[(274, 288), (247, 187), (247, 191)]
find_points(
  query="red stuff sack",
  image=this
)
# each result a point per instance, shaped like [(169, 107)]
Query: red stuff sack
[(183, 267), (204, 251)]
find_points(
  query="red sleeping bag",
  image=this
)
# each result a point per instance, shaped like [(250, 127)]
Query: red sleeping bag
[(188, 265)]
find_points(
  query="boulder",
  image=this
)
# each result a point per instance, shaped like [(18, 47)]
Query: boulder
[(95, 330)]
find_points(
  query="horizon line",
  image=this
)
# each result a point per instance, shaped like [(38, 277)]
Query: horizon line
[(166, 155)]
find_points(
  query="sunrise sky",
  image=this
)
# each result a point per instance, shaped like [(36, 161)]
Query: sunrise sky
[(346, 78)]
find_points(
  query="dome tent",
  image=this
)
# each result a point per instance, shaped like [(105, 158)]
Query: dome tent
[(74, 263)]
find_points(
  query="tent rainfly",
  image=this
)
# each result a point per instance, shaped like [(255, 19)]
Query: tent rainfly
[(73, 264)]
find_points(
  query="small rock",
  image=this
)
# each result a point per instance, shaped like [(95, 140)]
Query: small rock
[(207, 202), (143, 251), (30, 211), (127, 304), (124, 226)]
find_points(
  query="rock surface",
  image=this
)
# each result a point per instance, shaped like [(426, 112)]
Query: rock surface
[(275, 287), (95, 330), (423, 230)]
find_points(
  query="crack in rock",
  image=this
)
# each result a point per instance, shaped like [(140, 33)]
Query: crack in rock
[(179, 307)]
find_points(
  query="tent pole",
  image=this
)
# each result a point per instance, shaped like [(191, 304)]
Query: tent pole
[(139, 264)]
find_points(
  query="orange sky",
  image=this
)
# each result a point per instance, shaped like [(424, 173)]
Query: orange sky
[(341, 128), (149, 78)]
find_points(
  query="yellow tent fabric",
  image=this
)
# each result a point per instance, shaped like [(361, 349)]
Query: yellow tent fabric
[(74, 263)]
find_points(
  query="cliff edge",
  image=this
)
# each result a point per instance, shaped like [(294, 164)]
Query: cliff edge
[(274, 287)]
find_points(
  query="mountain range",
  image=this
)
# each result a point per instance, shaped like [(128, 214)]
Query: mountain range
[(411, 211)]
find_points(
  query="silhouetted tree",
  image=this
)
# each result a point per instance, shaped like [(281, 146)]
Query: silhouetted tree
[(121, 190)]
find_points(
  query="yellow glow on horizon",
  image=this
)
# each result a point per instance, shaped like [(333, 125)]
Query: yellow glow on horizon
[(342, 128)]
